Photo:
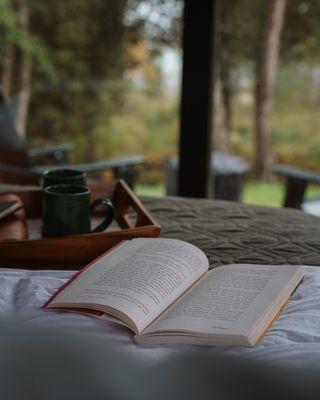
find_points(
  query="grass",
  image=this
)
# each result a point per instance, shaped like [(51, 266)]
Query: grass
[(150, 190), (272, 194), (267, 194)]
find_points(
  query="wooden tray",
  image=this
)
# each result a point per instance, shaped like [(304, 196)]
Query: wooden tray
[(72, 252)]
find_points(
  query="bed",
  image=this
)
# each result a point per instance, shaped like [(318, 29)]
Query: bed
[(228, 233)]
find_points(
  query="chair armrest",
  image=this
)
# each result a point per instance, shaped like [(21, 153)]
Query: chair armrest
[(297, 180), (114, 163), (57, 154), (97, 166), (297, 173), (123, 168)]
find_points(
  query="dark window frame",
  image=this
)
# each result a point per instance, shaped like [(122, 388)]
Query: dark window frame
[(196, 107)]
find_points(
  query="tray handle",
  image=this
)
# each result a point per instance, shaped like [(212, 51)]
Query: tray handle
[(126, 203)]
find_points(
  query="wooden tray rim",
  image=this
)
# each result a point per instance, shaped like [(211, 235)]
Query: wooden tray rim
[(20, 252)]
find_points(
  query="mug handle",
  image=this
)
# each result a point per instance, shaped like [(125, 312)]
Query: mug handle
[(108, 219)]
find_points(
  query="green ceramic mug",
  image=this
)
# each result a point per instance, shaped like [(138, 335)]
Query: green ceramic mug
[(67, 211), (63, 176)]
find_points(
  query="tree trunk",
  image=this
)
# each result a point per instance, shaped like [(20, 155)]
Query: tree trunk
[(315, 84), (91, 111), (23, 97), (222, 86), (226, 92), (221, 133), (7, 69), (265, 81)]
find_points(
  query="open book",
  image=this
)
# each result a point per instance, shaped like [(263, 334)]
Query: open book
[(162, 290)]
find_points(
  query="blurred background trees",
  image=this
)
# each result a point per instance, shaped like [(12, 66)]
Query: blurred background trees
[(71, 69), (245, 28), (105, 76)]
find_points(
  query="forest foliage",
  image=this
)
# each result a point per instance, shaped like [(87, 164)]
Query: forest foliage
[(88, 73)]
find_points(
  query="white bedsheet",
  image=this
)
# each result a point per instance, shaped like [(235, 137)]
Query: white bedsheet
[(294, 337)]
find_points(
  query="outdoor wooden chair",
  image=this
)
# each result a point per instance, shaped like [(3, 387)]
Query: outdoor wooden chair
[(297, 180), (21, 165)]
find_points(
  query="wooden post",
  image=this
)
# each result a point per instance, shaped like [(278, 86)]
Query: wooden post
[(196, 97)]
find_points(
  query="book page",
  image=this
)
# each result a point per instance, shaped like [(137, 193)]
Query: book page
[(140, 278), (228, 300)]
